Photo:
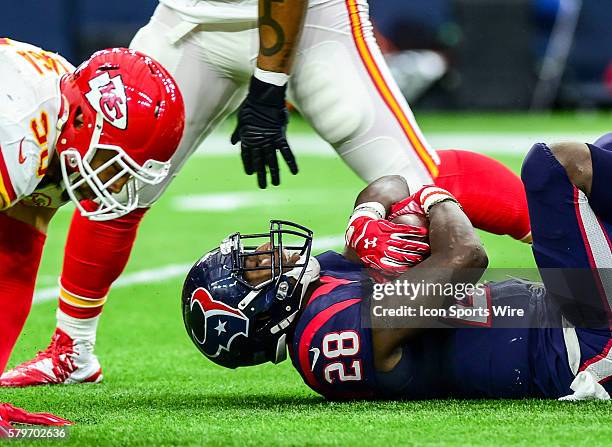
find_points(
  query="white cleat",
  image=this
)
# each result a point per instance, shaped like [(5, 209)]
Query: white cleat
[(65, 361)]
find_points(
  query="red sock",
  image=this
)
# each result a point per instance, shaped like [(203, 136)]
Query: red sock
[(96, 254), (492, 196), (21, 247)]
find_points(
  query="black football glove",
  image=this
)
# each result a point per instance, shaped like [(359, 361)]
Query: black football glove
[(261, 130)]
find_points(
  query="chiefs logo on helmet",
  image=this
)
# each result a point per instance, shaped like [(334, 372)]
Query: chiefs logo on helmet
[(107, 96), (215, 324)]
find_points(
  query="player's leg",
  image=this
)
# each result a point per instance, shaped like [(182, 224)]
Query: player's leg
[(22, 237), (97, 252), (344, 89), (589, 170), (570, 233), (491, 194), (20, 252), (568, 197), (94, 256), (605, 141), (211, 67)]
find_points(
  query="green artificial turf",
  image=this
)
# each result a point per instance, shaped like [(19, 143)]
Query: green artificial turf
[(158, 389)]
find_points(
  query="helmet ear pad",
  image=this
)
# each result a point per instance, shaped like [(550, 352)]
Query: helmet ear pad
[(268, 306)]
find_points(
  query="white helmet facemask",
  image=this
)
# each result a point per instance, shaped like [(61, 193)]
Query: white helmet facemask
[(110, 206)]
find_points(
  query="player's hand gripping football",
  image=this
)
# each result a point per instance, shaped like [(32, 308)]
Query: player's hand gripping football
[(392, 247), (262, 125), (387, 246)]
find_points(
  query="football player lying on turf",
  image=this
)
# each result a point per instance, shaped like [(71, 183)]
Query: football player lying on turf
[(323, 57), (242, 305), (104, 129)]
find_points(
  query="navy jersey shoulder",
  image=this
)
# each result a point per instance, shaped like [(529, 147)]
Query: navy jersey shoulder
[(331, 348), (335, 265)]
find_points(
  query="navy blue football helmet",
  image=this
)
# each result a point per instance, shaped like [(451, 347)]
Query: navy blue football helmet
[(235, 323)]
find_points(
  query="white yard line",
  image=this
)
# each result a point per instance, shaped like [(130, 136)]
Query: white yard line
[(311, 144), (233, 201), (492, 143), (171, 271)]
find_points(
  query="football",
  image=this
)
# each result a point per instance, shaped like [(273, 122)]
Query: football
[(417, 220)]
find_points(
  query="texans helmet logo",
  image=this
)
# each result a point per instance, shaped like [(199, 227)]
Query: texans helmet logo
[(215, 325), (107, 96)]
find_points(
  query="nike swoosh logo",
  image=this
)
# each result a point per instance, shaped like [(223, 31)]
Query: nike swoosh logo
[(22, 159), (316, 352)]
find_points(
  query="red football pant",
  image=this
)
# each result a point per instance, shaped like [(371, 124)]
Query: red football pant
[(96, 254), (21, 247), (492, 196)]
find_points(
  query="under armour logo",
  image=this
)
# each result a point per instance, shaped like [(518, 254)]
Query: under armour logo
[(367, 243)]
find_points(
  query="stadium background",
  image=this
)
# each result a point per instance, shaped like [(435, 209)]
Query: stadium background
[(487, 75), (512, 49)]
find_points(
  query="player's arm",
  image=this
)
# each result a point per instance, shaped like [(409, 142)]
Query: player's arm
[(280, 26), (386, 190), (457, 256), (263, 116)]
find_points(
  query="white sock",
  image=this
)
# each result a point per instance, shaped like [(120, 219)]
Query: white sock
[(78, 329)]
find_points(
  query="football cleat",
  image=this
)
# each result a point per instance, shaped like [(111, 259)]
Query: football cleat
[(5, 426), (65, 361), (9, 413)]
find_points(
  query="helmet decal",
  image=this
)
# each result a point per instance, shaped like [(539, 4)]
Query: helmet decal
[(129, 106), (220, 302), (107, 96), (215, 325)]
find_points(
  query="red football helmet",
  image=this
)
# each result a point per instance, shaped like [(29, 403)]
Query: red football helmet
[(130, 105)]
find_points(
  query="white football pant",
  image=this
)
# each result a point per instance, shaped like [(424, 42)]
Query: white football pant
[(340, 84)]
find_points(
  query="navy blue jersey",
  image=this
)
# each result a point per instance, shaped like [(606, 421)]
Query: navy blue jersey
[(332, 346)]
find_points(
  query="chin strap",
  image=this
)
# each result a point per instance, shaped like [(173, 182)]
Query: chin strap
[(311, 274), (281, 349)]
